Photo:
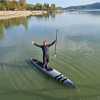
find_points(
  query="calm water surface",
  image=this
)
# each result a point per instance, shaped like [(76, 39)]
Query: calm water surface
[(78, 57)]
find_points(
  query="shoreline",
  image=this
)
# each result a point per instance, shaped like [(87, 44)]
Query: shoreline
[(15, 14)]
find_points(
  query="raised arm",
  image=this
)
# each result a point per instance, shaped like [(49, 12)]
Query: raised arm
[(36, 44), (49, 45)]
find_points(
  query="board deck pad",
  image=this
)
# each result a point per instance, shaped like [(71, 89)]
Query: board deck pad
[(35, 61)]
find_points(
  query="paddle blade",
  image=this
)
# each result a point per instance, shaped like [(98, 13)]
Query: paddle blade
[(55, 55)]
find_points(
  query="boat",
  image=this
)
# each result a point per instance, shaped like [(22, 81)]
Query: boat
[(53, 73)]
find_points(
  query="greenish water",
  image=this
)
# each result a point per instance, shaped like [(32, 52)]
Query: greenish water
[(78, 57)]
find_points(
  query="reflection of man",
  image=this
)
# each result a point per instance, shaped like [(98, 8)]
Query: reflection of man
[(45, 50)]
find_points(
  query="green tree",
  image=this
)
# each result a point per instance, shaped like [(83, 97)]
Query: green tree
[(30, 7), (53, 7), (46, 6), (37, 6), (3, 5), (12, 5), (22, 4)]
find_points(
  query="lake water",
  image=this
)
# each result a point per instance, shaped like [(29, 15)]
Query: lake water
[(78, 57)]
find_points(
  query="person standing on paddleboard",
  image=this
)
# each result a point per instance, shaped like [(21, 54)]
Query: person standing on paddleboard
[(45, 50)]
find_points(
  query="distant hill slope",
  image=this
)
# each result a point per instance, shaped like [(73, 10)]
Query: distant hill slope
[(83, 7)]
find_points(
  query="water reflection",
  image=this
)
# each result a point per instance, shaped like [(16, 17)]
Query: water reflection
[(46, 16), (93, 13), (1, 31), (5, 24)]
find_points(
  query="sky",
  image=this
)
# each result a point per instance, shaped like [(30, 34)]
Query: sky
[(64, 3)]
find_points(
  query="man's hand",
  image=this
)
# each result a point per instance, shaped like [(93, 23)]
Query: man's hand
[(33, 42)]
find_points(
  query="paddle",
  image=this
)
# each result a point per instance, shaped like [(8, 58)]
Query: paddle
[(56, 43)]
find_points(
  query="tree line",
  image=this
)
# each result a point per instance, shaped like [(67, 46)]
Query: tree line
[(40, 6), (19, 5), (12, 5)]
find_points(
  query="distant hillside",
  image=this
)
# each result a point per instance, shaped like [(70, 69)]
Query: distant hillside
[(84, 7)]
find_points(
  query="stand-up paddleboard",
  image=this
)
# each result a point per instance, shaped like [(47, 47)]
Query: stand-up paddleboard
[(53, 73)]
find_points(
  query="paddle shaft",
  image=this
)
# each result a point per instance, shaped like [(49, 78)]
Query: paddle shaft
[(56, 42)]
